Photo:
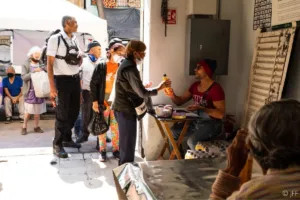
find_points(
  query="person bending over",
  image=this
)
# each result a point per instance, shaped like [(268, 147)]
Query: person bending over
[(130, 93)]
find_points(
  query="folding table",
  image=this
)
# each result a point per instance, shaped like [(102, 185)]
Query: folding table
[(168, 136)]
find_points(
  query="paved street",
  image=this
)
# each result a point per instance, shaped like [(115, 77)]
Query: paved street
[(26, 171)]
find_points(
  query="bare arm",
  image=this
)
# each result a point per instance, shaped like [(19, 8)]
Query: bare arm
[(8, 93), (219, 110), (51, 53), (180, 100), (50, 63)]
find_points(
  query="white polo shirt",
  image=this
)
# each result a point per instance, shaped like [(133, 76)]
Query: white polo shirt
[(88, 68), (60, 66)]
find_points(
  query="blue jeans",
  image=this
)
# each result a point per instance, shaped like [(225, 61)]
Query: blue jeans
[(77, 126), (201, 130)]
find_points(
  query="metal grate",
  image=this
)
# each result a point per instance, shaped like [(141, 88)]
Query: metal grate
[(269, 67)]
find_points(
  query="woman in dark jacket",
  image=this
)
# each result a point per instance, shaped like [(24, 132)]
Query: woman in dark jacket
[(130, 93), (100, 87)]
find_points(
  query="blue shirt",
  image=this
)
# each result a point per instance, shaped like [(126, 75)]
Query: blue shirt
[(14, 88)]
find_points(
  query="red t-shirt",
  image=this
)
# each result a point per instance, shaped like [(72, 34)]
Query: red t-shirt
[(206, 99)]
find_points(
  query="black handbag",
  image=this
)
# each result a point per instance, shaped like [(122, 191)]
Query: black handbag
[(98, 125)]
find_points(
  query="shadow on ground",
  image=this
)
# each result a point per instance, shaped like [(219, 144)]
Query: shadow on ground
[(88, 169), (27, 165)]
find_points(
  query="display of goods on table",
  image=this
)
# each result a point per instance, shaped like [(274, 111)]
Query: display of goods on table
[(179, 115), (164, 111), (209, 149)]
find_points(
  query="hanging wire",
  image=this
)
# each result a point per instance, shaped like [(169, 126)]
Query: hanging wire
[(164, 14)]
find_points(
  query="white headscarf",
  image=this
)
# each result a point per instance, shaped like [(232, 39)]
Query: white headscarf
[(33, 50)]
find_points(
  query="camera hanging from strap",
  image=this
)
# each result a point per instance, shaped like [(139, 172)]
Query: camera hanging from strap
[(70, 57)]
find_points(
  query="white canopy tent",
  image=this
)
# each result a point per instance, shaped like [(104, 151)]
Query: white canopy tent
[(30, 22)]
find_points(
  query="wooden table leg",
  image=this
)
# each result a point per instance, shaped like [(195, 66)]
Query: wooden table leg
[(166, 145), (180, 139), (173, 143)]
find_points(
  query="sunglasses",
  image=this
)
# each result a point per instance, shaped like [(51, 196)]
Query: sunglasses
[(198, 67)]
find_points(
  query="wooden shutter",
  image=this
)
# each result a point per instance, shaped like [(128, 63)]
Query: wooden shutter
[(268, 70)]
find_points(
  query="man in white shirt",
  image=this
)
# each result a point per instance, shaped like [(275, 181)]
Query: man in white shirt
[(63, 63), (88, 65)]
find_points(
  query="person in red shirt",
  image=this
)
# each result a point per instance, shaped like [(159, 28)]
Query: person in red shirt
[(209, 104)]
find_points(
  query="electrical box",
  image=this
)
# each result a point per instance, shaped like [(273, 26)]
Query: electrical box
[(208, 39), (202, 7)]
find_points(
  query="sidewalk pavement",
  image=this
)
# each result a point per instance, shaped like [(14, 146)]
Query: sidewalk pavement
[(28, 170)]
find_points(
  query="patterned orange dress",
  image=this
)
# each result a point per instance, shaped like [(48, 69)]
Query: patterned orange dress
[(109, 114)]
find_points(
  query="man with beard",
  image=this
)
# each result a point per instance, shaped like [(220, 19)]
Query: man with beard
[(209, 104), (63, 64)]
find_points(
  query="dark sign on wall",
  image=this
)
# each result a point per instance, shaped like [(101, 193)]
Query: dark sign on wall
[(262, 14)]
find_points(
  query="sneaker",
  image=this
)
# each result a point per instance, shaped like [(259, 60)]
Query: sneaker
[(116, 154), (38, 130), (24, 131), (8, 120), (103, 156)]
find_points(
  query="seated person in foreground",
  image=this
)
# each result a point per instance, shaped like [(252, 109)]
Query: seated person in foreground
[(274, 142), (12, 86), (209, 103)]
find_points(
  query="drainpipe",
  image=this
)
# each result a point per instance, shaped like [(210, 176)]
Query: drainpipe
[(218, 9)]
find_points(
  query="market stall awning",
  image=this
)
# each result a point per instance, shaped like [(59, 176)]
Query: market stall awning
[(46, 15)]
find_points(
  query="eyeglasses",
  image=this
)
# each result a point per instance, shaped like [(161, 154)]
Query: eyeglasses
[(120, 54), (198, 67)]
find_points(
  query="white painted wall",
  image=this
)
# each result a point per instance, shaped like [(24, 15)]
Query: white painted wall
[(247, 48), (242, 40), (167, 55)]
